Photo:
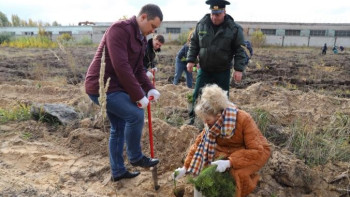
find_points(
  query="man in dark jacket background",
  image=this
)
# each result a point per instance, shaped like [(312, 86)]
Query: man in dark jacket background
[(324, 49), (153, 47), (217, 40), (248, 51), (125, 43)]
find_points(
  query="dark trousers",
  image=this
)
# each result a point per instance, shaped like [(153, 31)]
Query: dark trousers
[(222, 79)]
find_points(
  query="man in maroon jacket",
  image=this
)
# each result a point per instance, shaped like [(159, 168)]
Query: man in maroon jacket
[(127, 96)]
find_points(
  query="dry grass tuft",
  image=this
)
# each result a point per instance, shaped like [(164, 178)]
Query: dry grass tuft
[(103, 89)]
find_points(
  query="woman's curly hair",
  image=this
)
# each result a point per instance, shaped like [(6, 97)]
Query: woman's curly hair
[(189, 36), (212, 101)]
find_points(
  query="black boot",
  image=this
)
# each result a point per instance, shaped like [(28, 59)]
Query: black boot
[(145, 162), (126, 175)]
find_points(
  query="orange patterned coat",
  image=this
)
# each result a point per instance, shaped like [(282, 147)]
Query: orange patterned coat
[(247, 150)]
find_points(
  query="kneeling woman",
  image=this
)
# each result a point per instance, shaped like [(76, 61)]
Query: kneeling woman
[(231, 134)]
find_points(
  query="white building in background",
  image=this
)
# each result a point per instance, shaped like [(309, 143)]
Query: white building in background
[(302, 34), (94, 33), (278, 34)]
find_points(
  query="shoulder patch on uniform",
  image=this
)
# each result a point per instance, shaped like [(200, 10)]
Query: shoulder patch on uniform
[(201, 33)]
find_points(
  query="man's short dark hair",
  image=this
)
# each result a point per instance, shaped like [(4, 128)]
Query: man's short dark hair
[(152, 11), (160, 38)]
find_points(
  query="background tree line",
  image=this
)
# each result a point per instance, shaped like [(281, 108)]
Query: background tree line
[(18, 22)]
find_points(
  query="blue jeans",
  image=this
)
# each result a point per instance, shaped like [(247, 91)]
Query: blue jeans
[(127, 122), (180, 67)]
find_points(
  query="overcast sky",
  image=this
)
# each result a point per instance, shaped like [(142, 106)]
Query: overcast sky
[(71, 12)]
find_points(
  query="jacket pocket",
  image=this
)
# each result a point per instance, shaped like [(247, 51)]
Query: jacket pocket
[(203, 36), (204, 41)]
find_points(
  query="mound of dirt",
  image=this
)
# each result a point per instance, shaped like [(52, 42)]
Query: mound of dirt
[(170, 143), (88, 141)]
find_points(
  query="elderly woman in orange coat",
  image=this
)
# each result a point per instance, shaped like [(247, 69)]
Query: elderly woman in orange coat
[(231, 134)]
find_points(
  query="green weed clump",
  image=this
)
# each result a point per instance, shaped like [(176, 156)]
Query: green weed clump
[(262, 119), (169, 115), (4, 37), (17, 113), (258, 38), (330, 143), (214, 184), (182, 39), (38, 113), (30, 42), (85, 41), (65, 38), (189, 97)]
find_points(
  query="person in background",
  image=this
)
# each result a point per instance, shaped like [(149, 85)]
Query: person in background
[(248, 51), (153, 47), (324, 49), (217, 40), (341, 49), (124, 44), (335, 49), (180, 64), (230, 135)]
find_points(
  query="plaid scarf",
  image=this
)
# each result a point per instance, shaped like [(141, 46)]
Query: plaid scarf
[(224, 127)]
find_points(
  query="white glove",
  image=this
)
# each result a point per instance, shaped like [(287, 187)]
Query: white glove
[(142, 103), (149, 75), (154, 93), (222, 165), (180, 173), (154, 69)]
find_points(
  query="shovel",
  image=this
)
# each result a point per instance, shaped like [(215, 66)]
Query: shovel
[(154, 170)]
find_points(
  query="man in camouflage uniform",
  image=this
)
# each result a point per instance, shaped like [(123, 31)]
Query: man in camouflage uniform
[(217, 40)]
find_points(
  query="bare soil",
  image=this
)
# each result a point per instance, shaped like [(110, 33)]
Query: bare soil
[(38, 159)]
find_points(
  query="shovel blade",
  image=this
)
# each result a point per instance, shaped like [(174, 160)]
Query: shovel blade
[(155, 178)]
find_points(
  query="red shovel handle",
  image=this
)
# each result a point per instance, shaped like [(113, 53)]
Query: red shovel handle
[(150, 126)]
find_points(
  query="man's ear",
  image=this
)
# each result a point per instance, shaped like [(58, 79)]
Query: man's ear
[(143, 16)]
